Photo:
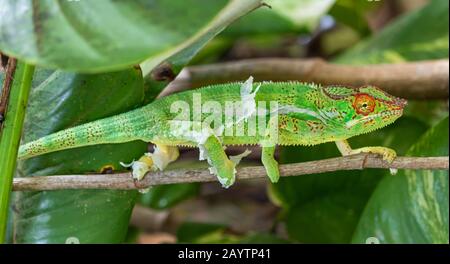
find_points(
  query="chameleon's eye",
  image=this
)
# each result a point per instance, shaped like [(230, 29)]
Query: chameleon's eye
[(364, 104)]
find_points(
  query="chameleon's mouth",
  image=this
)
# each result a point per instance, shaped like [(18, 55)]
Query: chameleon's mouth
[(388, 115)]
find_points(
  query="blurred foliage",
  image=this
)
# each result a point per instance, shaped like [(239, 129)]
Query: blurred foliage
[(326, 208), (63, 99), (1, 80), (262, 238), (261, 25), (429, 112), (411, 207), (192, 232), (337, 40), (284, 16), (353, 13), (419, 35), (59, 100), (338, 207), (166, 196)]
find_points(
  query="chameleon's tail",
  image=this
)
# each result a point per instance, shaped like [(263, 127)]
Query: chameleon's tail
[(117, 129)]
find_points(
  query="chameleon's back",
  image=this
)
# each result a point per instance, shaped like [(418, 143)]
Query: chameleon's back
[(228, 105)]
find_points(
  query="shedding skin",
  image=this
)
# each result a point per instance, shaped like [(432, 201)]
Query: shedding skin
[(270, 163), (286, 113), (221, 166)]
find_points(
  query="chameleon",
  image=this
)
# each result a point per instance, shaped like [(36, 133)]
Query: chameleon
[(239, 113)]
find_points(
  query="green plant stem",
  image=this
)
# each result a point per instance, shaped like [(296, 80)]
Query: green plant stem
[(10, 137)]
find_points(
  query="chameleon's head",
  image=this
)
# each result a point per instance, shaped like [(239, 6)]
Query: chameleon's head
[(366, 108)]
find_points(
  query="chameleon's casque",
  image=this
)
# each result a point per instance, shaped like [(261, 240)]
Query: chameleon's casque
[(301, 114)]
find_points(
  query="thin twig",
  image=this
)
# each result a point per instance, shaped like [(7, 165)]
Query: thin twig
[(4, 96), (413, 80), (124, 181)]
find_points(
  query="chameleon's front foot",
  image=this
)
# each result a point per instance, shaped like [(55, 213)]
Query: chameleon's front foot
[(221, 166), (270, 164), (388, 154)]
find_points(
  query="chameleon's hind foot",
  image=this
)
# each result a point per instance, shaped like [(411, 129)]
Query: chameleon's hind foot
[(388, 154), (158, 160)]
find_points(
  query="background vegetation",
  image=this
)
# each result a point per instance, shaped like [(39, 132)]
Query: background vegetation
[(86, 55)]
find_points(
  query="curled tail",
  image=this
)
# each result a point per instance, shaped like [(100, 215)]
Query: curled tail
[(117, 129)]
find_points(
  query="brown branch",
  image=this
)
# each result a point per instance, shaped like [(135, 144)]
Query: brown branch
[(415, 80), (124, 181), (6, 88)]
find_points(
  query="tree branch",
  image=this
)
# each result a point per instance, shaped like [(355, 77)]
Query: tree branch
[(5, 91), (124, 181), (414, 80)]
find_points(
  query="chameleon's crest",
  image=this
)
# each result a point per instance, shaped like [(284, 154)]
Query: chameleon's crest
[(338, 92)]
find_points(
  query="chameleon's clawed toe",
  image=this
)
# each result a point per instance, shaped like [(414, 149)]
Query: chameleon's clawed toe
[(389, 155), (140, 167)]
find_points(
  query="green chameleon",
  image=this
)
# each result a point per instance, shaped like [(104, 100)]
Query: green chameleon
[(210, 118)]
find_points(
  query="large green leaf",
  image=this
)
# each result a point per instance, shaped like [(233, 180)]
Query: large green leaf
[(104, 35), (191, 232), (353, 13), (284, 16), (59, 100), (262, 238), (420, 35), (411, 207), (325, 208), (166, 196)]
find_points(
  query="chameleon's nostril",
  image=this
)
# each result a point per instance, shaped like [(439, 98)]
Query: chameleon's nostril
[(400, 102)]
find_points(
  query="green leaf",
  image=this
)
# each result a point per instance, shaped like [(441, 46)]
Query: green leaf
[(284, 16), (310, 201), (11, 131), (2, 75), (166, 196), (430, 112), (106, 35), (59, 100), (411, 207), (353, 13), (419, 35), (304, 13), (262, 238), (192, 232)]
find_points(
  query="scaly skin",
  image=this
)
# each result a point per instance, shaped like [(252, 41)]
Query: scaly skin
[(306, 114)]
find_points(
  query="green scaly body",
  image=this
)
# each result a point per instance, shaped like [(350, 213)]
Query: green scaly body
[(306, 114)]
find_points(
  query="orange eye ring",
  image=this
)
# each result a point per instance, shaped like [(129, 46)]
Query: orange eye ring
[(364, 104)]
